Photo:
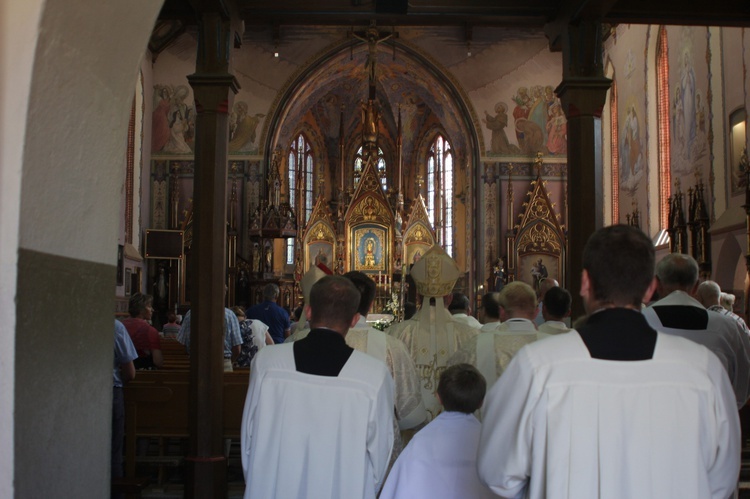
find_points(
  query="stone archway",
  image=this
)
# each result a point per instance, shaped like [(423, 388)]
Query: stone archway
[(63, 134)]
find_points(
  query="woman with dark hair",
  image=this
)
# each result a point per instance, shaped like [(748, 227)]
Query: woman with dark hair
[(144, 336)]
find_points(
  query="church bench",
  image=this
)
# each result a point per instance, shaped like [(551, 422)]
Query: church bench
[(175, 355), (156, 405)]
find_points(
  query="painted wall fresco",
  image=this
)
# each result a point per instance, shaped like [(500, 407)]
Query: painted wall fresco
[(689, 59), (627, 54)]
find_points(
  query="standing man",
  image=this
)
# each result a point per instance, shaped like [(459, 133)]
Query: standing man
[(678, 313), (124, 371), (491, 352), (555, 309), (709, 294), (616, 409), (232, 337), (460, 309), (318, 417), (545, 284), (270, 314)]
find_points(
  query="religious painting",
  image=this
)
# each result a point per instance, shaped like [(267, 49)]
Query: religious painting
[(320, 252), (534, 267), (172, 120), (370, 249)]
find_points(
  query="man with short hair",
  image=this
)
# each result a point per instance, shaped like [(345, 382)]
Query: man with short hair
[(431, 336), (410, 411), (270, 314), (555, 308), (491, 352), (615, 409), (318, 416), (709, 294), (490, 310), (678, 313), (232, 337), (460, 309), (545, 285)]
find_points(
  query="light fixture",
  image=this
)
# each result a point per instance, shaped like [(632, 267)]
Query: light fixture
[(276, 33)]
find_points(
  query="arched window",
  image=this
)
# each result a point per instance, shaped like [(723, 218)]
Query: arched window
[(615, 136), (300, 177), (359, 164), (663, 104), (440, 191)]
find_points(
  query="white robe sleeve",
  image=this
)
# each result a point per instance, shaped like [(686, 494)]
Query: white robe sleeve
[(248, 414), (504, 457), (725, 468), (380, 431)]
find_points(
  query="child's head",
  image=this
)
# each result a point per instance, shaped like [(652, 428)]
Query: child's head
[(461, 388)]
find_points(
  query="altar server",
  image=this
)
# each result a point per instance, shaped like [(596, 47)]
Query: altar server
[(615, 410), (440, 461), (318, 416)]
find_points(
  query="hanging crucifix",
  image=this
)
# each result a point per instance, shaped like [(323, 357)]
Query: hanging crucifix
[(372, 37)]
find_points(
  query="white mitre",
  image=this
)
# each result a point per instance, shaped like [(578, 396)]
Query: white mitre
[(311, 277), (436, 273)]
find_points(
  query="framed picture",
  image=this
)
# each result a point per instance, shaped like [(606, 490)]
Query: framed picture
[(128, 281), (370, 251), (533, 267)]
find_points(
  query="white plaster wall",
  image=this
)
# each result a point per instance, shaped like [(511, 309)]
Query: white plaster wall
[(18, 29), (67, 71), (81, 93)]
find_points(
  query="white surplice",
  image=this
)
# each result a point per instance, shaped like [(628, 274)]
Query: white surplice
[(410, 410), (491, 352), (553, 327), (723, 336), (439, 462), (559, 424), (308, 436)]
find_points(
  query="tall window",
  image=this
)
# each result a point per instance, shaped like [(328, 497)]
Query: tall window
[(440, 191), (663, 103), (359, 164), (615, 136), (300, 182)]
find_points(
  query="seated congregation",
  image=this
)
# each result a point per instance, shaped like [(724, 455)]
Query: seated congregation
[(640, 399)]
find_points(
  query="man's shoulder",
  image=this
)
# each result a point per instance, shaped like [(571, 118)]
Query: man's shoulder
[(368, 367)]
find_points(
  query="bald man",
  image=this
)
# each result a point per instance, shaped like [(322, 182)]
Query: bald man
[(680, 314), (709, 294)]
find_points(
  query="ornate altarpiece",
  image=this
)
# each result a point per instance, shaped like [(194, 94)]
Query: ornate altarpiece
[(369, 225), (539, 239)]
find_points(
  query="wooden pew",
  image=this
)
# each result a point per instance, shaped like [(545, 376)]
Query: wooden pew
[(156, 405), (175, 355)]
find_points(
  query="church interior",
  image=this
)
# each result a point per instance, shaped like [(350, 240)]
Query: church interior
[(207, 148)]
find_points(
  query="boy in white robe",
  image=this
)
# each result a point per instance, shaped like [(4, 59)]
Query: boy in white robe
[(614, 410), (440, 461), (318, 416)]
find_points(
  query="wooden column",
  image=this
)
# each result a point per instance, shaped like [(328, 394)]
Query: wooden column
[(582, 92), (213, 88)]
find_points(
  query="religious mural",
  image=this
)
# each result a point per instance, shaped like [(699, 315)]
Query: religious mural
[(242, 128), (689, 83), (173, 120), (539, 124)]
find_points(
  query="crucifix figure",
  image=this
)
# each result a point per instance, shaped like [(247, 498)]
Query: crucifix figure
[(372, 37)]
